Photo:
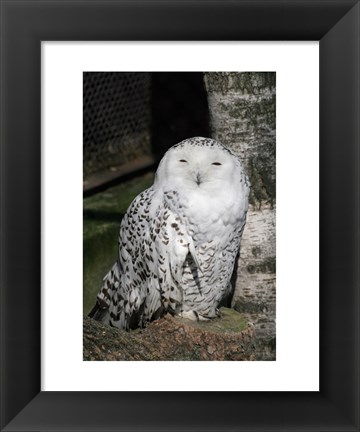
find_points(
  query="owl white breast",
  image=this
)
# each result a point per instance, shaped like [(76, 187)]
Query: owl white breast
[(179, 239)]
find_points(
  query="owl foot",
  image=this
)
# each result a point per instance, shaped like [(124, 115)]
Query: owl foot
[(193, 316)]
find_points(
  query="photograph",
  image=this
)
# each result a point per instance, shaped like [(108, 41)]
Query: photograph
[(179, 216)]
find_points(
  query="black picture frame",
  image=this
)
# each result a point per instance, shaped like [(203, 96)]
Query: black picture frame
[(24, 24)]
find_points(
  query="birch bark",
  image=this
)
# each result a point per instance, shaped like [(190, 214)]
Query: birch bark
[(242, 112)]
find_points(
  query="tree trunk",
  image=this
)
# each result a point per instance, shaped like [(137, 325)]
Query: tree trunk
[(242, 112)]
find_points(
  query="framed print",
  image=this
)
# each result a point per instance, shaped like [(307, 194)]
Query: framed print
[(28, 401), (301, 65)]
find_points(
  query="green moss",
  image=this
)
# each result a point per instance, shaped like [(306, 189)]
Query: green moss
[(246, 306), (257, 122), (230, 321), (258, 114), (246, 82), (268, 265), (253, 82), (256, 251), (272, 343), (261, 171)]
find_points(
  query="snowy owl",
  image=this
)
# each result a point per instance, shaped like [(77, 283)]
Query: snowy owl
[(179, 239)]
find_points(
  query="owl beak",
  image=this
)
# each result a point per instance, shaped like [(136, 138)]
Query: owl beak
[(198, 179)]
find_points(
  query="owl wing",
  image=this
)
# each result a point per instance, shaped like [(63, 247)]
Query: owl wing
[(174, 247), (121, 298), (154, 245)]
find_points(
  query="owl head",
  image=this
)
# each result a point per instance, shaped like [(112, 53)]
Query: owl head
[(200, 164)]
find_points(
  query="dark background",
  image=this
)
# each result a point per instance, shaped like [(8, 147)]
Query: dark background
[(179, 109)]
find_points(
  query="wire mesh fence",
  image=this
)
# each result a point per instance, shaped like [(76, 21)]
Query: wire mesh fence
[(116, 119)]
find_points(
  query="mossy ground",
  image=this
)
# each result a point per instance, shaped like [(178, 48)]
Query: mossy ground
[(102, 214), (172, 339), (230, 322)]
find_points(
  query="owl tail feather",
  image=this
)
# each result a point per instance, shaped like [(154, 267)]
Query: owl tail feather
[(194, 256), (97, 313), (100, 312)]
